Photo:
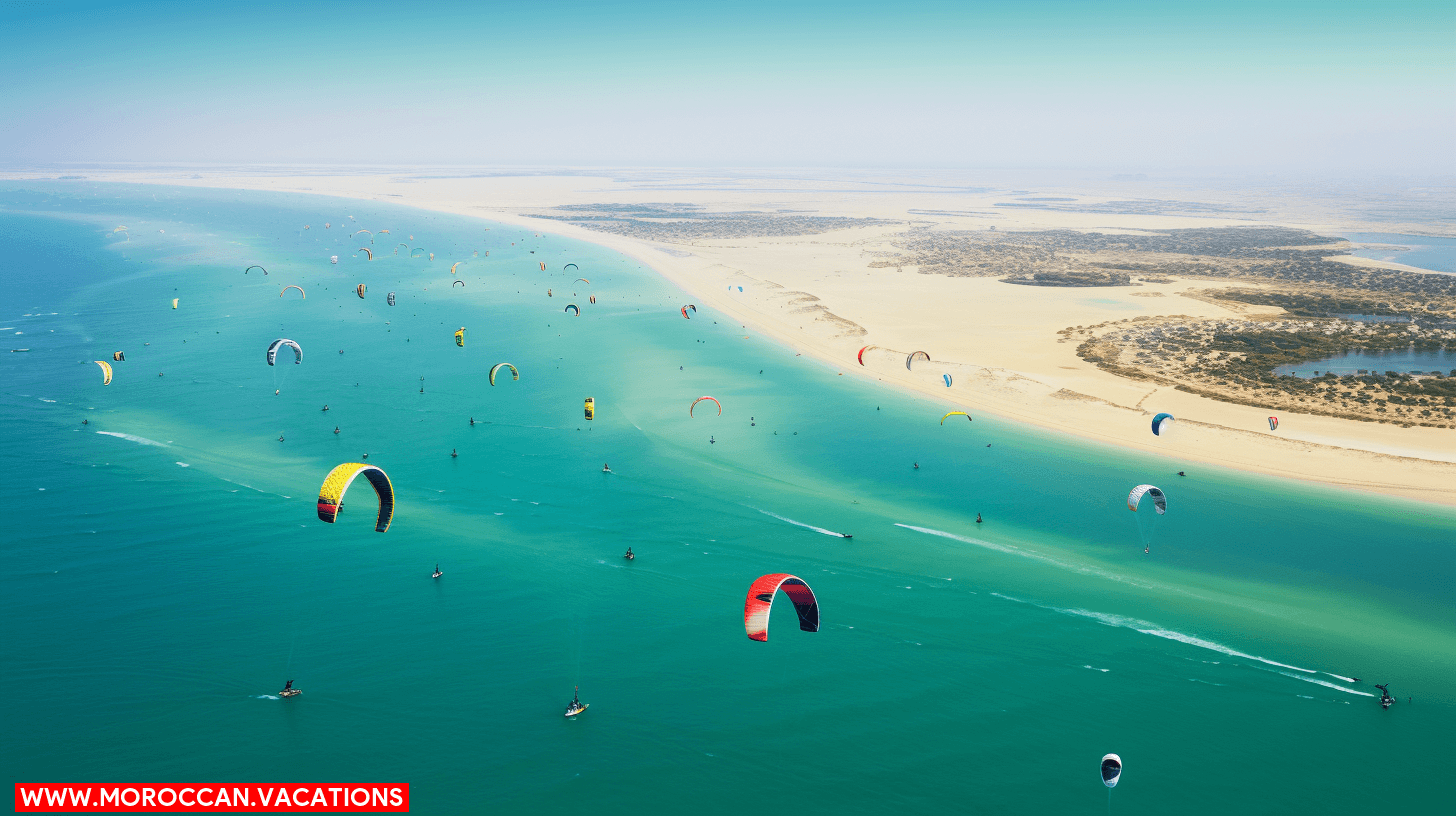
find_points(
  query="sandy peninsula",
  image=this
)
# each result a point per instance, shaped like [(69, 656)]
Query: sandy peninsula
[(814, 265)]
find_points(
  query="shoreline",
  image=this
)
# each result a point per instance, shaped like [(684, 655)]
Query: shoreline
[(1009, 370)]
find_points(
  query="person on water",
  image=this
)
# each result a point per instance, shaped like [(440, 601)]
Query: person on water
[(326, 407), (472, 421), (288, 686), (606, 469), (978, 518), (916, 464), (85, 422), (336, 429), (280, 437), (712, 441), (1181, 473), (629, 556), (275, 392)]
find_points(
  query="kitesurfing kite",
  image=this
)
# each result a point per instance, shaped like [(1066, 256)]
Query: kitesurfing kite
[(279, 343), (331, 494), (1162, 423), (700, 399), (760, 600), (1160, 501), (515, 375)]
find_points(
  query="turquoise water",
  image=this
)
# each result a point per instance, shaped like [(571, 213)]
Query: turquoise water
[(1405, 361), (1423, 251), (165, 572)]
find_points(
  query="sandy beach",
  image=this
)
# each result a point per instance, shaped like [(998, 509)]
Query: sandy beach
[(1000, 344)]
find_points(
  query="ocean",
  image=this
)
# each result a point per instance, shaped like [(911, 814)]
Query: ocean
[(164, 570)]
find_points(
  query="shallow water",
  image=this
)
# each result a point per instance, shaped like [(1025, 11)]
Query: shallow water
[(165, 572), (1423, 251), (1405, 361)]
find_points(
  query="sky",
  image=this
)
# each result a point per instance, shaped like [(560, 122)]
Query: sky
[(1327, 86)]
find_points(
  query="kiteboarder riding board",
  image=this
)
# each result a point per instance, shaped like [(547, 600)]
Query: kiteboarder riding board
[(576, 706)]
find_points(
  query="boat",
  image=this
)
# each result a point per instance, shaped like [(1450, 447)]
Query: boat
[(289, 690), (1111, 770), (845, 535), (629, 556), (437, 572)]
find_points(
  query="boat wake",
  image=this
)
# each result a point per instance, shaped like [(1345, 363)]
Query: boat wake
[(1155, 630), (820, 530), (1341, 677), (140, 440), (268, 697), (1012, 549), (1319, 682)]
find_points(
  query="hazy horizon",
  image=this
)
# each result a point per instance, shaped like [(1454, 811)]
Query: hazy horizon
[(1123, 87)]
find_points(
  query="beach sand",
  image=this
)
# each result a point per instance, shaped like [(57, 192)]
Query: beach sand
[(818, 295)]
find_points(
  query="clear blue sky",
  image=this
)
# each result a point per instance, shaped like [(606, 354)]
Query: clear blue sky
[(1321, 86)]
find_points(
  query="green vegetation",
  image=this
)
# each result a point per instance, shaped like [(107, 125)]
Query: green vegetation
[(685, 223)]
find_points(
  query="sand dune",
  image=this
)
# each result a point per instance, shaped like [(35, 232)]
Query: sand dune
[(818, 294)]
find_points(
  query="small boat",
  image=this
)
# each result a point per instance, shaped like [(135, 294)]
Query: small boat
[(289, 690), (629, 556), (845, 535), (437, 573), (1111, 770), (576, 706)]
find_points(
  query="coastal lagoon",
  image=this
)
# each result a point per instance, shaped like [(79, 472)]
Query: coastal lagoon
[(165, 571), (1406, 361), (1423, 251)]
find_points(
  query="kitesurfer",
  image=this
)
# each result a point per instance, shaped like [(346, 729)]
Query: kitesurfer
[(453, 454), (629, 556), (917, 465), (606, 469), (1181, 473), (85, 422), (280, 437), (712, 441), (326, 407), (1385, 699), (978, 518), (472, 421), (336, 429), (576, 707), (341, 351)]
